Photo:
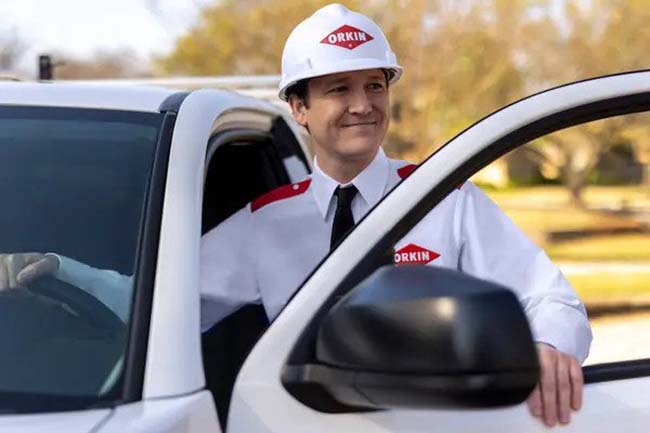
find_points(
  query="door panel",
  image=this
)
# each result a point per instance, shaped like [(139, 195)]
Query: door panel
[(260, 399), (579, 194), (606, 405)]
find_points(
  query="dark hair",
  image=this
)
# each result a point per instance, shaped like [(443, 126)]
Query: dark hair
[(300, 90)]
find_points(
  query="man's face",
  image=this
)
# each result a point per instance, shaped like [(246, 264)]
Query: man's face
[(346, 113)]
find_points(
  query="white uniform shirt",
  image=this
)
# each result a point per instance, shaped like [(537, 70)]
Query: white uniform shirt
[(263, 253)]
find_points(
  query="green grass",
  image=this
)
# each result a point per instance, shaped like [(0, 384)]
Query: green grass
[(625, 248), (565, 219), (540, 210), (597, 196), (612, 288), (544, 209)]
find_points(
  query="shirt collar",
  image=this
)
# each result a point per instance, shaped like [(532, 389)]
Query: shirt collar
[(371, 183)]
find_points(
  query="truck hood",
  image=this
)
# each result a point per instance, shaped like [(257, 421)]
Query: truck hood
[(69, 422)]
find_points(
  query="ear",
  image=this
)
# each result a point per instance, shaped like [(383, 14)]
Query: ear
[(298, 110)]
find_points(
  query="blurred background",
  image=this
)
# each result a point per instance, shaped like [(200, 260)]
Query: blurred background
[(583, 194)]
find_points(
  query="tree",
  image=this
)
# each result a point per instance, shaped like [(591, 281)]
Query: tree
[(438, 93), (459, 66), (11, 49), (239, 37), (463, 59), (104, 64), (574, 153), (596, 38)]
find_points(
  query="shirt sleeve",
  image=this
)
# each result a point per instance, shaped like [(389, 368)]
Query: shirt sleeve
[(228, 268), (494, 248), (109, 287)]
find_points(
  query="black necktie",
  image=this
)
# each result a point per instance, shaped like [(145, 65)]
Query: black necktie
[(343, 219)]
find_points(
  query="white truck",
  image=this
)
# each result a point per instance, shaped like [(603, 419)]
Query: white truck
[(128, 178)]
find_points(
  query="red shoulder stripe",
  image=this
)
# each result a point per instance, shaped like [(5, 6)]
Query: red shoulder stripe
[(280, 193), (406, 170)]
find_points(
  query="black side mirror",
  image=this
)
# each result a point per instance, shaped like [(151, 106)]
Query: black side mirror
[(421, 337)]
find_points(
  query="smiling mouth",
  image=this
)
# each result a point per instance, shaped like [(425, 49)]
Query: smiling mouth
[(360, 124)]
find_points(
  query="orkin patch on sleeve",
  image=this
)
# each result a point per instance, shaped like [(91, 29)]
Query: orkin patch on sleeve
[(406, 170), (280, 193), (414, 254), (347, 37)]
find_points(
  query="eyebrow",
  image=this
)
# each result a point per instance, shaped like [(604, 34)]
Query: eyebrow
[(336, 81), (345, 80)]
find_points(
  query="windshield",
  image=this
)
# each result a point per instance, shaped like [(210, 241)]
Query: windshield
[(73, 182)]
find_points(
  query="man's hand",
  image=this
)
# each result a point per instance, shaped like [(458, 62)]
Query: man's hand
[(18, 270), (559, 389)]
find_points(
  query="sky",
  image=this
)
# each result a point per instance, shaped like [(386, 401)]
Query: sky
[(82, 27)]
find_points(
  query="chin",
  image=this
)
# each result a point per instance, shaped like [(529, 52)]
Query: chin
[(360, 148)]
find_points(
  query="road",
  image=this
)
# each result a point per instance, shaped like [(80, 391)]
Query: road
[(586, 268), (620, 337), (617, 337)]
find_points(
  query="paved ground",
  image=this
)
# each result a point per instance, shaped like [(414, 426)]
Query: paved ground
[(574, 268), (619, 338)]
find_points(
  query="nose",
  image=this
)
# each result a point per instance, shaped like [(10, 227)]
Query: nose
[(359, 102)]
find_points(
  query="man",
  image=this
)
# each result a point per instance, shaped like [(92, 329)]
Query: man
[(337, 67)]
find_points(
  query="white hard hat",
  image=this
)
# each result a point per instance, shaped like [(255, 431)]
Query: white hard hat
[(335, 39)]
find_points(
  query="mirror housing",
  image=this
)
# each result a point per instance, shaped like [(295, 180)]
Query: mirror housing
[(420, 337)]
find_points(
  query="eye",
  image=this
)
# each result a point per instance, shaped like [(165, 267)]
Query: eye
[(376, 87), (337, 89)]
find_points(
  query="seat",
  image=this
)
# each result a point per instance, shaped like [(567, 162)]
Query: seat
[(237, 173), (225, 347)]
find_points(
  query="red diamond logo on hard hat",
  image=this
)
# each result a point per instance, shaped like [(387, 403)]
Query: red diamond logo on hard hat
[(414, 254), (347, 37)]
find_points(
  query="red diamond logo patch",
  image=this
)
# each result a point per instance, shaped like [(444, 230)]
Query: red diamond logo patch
[(414, 254), (347, 37)]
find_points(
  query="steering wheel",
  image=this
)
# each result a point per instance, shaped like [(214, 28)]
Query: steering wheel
[(89, 308), (57, 339)]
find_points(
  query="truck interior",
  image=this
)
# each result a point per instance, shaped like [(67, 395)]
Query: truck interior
[(244, 166)]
